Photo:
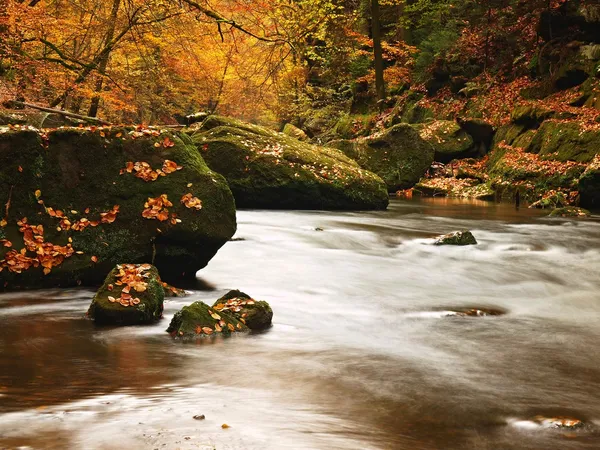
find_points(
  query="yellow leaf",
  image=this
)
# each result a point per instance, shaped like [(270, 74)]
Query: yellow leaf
[(38, 193), (225, 426)]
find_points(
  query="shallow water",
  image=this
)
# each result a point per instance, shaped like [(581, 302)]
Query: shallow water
[(361, 354)]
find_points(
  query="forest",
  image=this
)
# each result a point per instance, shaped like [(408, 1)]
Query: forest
[(410, 189)]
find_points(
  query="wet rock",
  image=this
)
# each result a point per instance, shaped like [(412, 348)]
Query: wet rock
[(399, 155), (200, 417), (266, 169), (87, 213), (257, 315), (570, 211), (172, 291), (201, 320), (132, 294), (456, 238)]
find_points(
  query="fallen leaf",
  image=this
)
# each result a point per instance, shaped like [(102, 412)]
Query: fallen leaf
[(94, 259), (225, 426)]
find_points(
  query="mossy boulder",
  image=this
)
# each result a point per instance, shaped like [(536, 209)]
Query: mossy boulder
[(132, 294), (456, 238), (295, 132), (448, 140), (256, 314), (570, 211), (201, 320), (589, 184), (399, 155), (565, 142), (72, 189), (266, 169)]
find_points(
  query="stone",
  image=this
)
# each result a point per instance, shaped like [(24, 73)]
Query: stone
[(132, 294), (399, 155), (200, 320), (589, 185), (448, 140), (73, 199), (266, 169), (295, 132), (570, 211), (256, 314), (456, 238)]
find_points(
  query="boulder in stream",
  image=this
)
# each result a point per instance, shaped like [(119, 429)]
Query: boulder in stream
[(132, 294), (456, 238), (83, 200), (199, 320), (399, 155), (266, 169), (256, 314), (570, 211)]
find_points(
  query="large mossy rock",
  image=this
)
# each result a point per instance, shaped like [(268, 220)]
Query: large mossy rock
[(589, 185), (77, 205), (570, 211), (132, 294), (266, 169), (201, 320), (399, 155), (565, 142), (256, 314), (448, 140)]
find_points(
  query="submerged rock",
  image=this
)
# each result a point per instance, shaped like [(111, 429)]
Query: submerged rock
[(266, 169), (456, 238), (570, 211), (257, 315), (199, 319), (132, 294), (84, 200), (559, 422), (399, 155), (475, 312)]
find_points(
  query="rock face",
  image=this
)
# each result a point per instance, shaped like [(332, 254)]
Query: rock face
[(266, 169), (398, 155), (456, 238), (132, 294), (589, 184), (257, 315), (200, 320), (83, 200), (565, 142), (448, 140)]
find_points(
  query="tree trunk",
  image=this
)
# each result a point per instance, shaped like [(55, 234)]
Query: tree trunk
[(377, 51), (103, 63)]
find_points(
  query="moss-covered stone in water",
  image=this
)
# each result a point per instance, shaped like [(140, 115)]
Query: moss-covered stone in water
[(448, 139), (201, 320), (266, 169), (565, 142), (150, 308), (257, 314), (570, 211), (78, 170), (398, 155), (456, 238), (589, 184)]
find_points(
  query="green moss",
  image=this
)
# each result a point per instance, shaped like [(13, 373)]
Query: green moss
[(79, 170), (570, 211), (257, 316), (189, 321), (565, 142), (398, 155), (105, 312), (448, 140), (276, 171)]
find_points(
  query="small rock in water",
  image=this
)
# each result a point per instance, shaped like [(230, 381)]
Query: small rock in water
[(200, 417), (319, 229), (456, 238), (255, 314), (558, 422)]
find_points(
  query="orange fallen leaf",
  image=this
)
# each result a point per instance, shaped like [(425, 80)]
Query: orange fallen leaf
[(225, 426), (94, 259)]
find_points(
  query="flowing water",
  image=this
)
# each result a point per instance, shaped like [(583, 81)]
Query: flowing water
[(361, 354)]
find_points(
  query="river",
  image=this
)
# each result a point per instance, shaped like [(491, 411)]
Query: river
[(361, 354)]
